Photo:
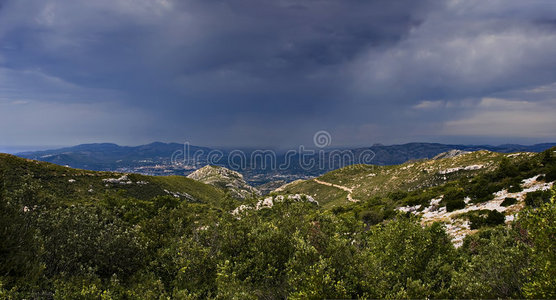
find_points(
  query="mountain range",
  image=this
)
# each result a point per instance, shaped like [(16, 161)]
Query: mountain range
[(173, 159)]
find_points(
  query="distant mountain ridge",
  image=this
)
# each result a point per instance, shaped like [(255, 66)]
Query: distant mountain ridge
[(156, 158), (106, 153)]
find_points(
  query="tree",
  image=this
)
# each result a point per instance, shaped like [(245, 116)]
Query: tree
[(402, 259), (492, 269), (540, 228)]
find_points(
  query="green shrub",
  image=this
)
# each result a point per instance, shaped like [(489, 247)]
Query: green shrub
[(495, 217), (514, 185), (372, 217), (453, 197), (508, 201), (540, 227), (486, 218), (506, 169), (19, 250), (547, 157), (397, 196), (79, 240), (493, 270), (404, 260), (453, 194), (537, 198), (455, 204), (550, 174), (481, 189)]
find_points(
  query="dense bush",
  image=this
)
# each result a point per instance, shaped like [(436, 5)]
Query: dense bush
[(508, 201), (455, 204), (289, 251), (492, 267), (404, 260), (480, 189), (549, 163), (506, 169), (550, 173), (91, 241), (537, 198), (540, 228), (372, 217), (483, 218), (513, 185), (454, 199)]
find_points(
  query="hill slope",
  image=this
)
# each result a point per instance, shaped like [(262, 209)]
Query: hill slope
[(74, 185), (367, 181), (464, 191)]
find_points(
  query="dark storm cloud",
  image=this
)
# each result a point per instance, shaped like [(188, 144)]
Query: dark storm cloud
[(272, 72)]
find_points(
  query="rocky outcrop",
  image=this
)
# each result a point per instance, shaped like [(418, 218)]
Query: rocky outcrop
[(227, 179), (450, 154)]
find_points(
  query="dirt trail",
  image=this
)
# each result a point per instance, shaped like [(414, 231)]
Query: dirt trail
[(341, 187)]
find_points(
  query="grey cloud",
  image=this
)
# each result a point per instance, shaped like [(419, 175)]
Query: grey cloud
[(272, 72)]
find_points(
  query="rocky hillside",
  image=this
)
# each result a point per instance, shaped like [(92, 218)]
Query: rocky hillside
[(226, 179), (462, 190), (502, 208), (362, 182)]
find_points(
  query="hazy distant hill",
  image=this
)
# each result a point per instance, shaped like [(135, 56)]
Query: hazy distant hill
[(156, 158), (397, 154), (108, 156)]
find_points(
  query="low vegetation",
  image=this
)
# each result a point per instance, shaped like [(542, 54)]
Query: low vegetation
[(178, 239)]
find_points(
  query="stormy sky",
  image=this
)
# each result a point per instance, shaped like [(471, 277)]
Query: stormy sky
[(274, 72)]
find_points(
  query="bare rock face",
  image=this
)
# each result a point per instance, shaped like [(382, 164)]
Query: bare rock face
[(450, 154), (227, 179)]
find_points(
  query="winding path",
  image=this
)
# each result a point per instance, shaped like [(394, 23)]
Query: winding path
[(341, 187)]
